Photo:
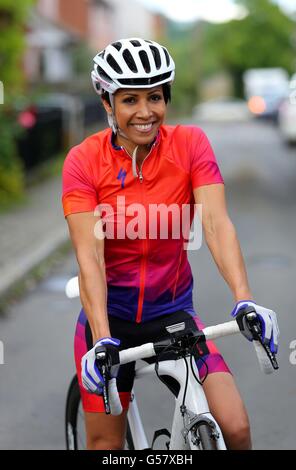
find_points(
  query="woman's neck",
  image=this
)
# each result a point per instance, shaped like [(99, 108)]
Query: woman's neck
[(129, 147)]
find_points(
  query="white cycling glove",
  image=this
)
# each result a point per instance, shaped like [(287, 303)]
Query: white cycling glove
[(92, 379), (268, 320)]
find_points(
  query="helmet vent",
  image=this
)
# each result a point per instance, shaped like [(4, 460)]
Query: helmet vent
[(112, 62), (167, 56), (145, 61), (129, 60), (103, 74), (136, 43), (156, 56), (144, 81), (117, 45)]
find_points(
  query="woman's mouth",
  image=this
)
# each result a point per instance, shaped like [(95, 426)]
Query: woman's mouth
[(144, 128)]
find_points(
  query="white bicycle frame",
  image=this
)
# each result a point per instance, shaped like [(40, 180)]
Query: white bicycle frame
[(195, 402)]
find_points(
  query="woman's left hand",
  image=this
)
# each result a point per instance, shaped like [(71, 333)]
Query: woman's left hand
[(268, 320)]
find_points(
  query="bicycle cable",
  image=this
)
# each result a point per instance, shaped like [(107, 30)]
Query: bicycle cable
[(170, 347), (176, 348), (201, 382)]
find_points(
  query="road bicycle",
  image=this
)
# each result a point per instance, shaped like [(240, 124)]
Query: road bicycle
[(193, 427)]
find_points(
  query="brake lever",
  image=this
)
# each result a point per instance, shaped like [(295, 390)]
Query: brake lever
[(106, 377), (255, 328), (101, 358)]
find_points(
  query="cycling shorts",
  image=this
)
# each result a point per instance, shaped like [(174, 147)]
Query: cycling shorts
[(134, 334)]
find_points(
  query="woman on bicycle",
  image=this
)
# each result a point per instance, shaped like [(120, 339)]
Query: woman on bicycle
[(133, 280)]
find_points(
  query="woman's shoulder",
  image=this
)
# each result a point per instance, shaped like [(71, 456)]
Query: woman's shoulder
[(181, 131)]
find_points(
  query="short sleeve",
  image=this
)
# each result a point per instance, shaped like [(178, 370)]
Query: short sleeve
[(204, 166), (78, 190)]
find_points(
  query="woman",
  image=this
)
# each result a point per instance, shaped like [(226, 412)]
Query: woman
[(133, 282)]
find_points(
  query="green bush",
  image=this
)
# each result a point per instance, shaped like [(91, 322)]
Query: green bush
[(11, 169), (12, 20)]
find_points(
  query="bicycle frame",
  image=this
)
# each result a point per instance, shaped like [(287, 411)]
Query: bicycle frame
[(195, 402)]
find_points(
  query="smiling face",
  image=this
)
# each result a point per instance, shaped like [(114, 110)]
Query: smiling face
[(139, 113)]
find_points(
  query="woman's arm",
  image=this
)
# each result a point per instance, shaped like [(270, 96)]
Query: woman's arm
[(92, 278), (222, 240)]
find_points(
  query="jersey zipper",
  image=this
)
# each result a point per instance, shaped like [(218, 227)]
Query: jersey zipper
[(145, 251), (142, 281), (144, 247)]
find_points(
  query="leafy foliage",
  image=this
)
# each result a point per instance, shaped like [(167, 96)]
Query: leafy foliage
[(264, 38), (185, 47), (12, 26)]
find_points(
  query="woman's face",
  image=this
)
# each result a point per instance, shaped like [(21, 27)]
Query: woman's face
[(139, 113)]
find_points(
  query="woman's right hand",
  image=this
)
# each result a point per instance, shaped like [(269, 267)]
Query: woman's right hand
[(92, 379)]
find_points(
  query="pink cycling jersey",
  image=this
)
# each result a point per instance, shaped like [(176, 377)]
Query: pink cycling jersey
[(146, 276)]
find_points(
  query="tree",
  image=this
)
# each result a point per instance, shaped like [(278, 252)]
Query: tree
[(12, 27), (184, 44), (265, 37)]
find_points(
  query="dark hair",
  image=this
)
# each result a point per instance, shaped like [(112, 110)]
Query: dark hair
[(166, 88)]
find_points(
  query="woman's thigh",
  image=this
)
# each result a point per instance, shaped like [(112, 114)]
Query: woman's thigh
[(105, 432), (227, 407)]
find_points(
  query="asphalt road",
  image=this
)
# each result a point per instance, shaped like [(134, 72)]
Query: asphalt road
[(37, 333)]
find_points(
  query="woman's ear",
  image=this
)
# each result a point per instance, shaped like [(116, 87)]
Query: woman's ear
[(107, 106)]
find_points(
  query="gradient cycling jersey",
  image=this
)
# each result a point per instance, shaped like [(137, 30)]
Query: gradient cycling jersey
[(147, 276)]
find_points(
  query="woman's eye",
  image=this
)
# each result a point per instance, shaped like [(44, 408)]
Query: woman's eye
[(129, 100), (156, 97)]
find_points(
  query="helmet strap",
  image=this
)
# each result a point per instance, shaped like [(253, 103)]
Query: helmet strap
[(111, 116), (112, 120), (112, 123)]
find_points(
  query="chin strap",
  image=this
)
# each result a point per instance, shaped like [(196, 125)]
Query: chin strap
[(111, 117), (112, 123), (112, 120), (114, 126)]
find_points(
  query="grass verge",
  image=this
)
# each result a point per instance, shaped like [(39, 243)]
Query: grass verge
[(31, 279)]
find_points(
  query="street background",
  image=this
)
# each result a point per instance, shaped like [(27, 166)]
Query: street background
[(48, 111)]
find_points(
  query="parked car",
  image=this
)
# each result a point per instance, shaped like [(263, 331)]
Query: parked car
[(222, 109), (265, 90), (287, 115)]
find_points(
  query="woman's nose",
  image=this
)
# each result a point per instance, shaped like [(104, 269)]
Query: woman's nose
[(144, 110)]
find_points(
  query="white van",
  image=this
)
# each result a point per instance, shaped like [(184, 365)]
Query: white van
[(265, 89)]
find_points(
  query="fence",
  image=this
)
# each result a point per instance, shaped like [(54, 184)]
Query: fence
[(42, 140)]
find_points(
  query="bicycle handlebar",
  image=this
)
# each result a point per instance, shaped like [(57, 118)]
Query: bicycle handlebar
[(266, 358), (210, 333), (111, 398)]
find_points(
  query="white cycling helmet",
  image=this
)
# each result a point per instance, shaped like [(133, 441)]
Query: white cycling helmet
[(132, 63)]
